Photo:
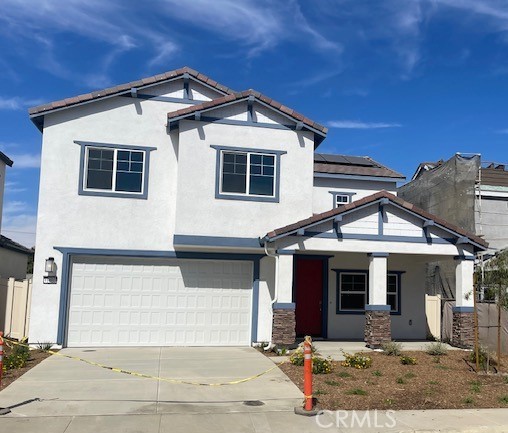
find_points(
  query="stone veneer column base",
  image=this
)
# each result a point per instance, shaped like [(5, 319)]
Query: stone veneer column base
[(463, 327), (283, 327), (377, 328)]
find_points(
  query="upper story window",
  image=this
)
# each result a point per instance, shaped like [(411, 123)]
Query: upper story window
[(341, 198), (247, 174), (114, 170)]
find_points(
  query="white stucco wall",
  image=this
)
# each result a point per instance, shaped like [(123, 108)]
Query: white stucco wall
[(200, 213), (322, 199)]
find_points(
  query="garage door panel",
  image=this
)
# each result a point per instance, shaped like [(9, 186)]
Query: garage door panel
[(178, 302)]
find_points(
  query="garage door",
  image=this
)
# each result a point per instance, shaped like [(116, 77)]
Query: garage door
[(120, 302)]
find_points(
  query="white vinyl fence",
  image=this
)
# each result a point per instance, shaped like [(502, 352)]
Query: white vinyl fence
[(15, 296)]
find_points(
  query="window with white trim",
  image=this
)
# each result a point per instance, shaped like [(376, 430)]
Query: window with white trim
[(114, 170), (341, 199), (248, 173), (352, 292)]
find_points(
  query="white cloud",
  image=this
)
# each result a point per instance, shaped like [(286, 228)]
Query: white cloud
[(20, 228), (13, 187), (26, 160), (17, 103), (356, 124)]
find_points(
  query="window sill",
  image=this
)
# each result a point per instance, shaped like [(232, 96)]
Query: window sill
[(113, 194), (247, 198), (362, 312)]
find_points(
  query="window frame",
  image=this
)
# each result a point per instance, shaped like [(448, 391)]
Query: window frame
[(83, 171), (336, 194), (219, 194), (397, 293)]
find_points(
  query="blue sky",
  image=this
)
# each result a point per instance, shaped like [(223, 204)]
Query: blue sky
[(400, 80)]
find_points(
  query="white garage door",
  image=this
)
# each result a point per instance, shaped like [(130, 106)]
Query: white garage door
[(121, 302)]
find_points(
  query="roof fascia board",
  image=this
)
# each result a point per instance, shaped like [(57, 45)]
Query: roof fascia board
[(358, 177), (127, 92)]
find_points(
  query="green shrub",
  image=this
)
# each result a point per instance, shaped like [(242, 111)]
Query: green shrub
[(407, 360), (377, 373), (504, 399), (468, 400), (45, 346), (17, 358), (476, 386), (436, 349), (392, 348), (281, 351), (400, 380), (332, 382), (358, 360), (410, 375), (319, 365), (343, 374), (483, 356)]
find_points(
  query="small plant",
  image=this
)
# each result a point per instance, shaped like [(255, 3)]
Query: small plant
[(506, 380), (358, 360), (377, 373), (407, 360), (389, 401), (442, 367), (17, 358), (281, 351), (484, 357), (332, 382), (436, 349), (45, 346), (433, 382), (436, 359), (343, 374), (356, 391), (400, 380), (319, 392), (321, 365), (392, 348), (410, 375), (468, 400), (476, 386), (504, 399)]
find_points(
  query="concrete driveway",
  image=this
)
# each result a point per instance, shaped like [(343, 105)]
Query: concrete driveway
[(76, 395)]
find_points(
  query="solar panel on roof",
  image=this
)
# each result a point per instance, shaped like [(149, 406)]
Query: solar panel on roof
[(358, 160)]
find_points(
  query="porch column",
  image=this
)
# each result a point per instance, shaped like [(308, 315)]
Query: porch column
[(377, 312), (463, 319), (283, 325)]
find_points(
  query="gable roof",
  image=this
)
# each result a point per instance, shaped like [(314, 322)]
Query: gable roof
[(328, 215), (243, 96), (40, 110), (9, 244), (5, 159), (352, 165)]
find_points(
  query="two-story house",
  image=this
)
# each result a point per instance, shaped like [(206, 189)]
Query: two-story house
[(13, 256), (174, 211)]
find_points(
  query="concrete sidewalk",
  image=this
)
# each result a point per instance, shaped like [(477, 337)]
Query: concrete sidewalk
[(78, 398)]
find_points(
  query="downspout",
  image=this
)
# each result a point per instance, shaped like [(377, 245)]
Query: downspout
[(275, 290)]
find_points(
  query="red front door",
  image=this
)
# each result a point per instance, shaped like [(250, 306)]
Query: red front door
[(309, 296)]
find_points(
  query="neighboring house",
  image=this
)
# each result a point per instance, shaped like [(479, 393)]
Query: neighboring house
[(174, 211), (13, 256), (467, 192)]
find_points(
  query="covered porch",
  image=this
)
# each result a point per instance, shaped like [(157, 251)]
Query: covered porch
[(358, 272)]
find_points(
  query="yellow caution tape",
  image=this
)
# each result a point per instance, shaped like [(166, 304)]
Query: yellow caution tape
[(148, 376)]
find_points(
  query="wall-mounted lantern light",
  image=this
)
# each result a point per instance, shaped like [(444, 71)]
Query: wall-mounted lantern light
[(50, 268)]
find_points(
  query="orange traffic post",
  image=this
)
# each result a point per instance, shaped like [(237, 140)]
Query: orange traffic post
[(307, 372), (1, 355)]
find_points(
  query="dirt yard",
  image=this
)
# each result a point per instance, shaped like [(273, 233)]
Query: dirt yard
[(10, 376), (448, 384)]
